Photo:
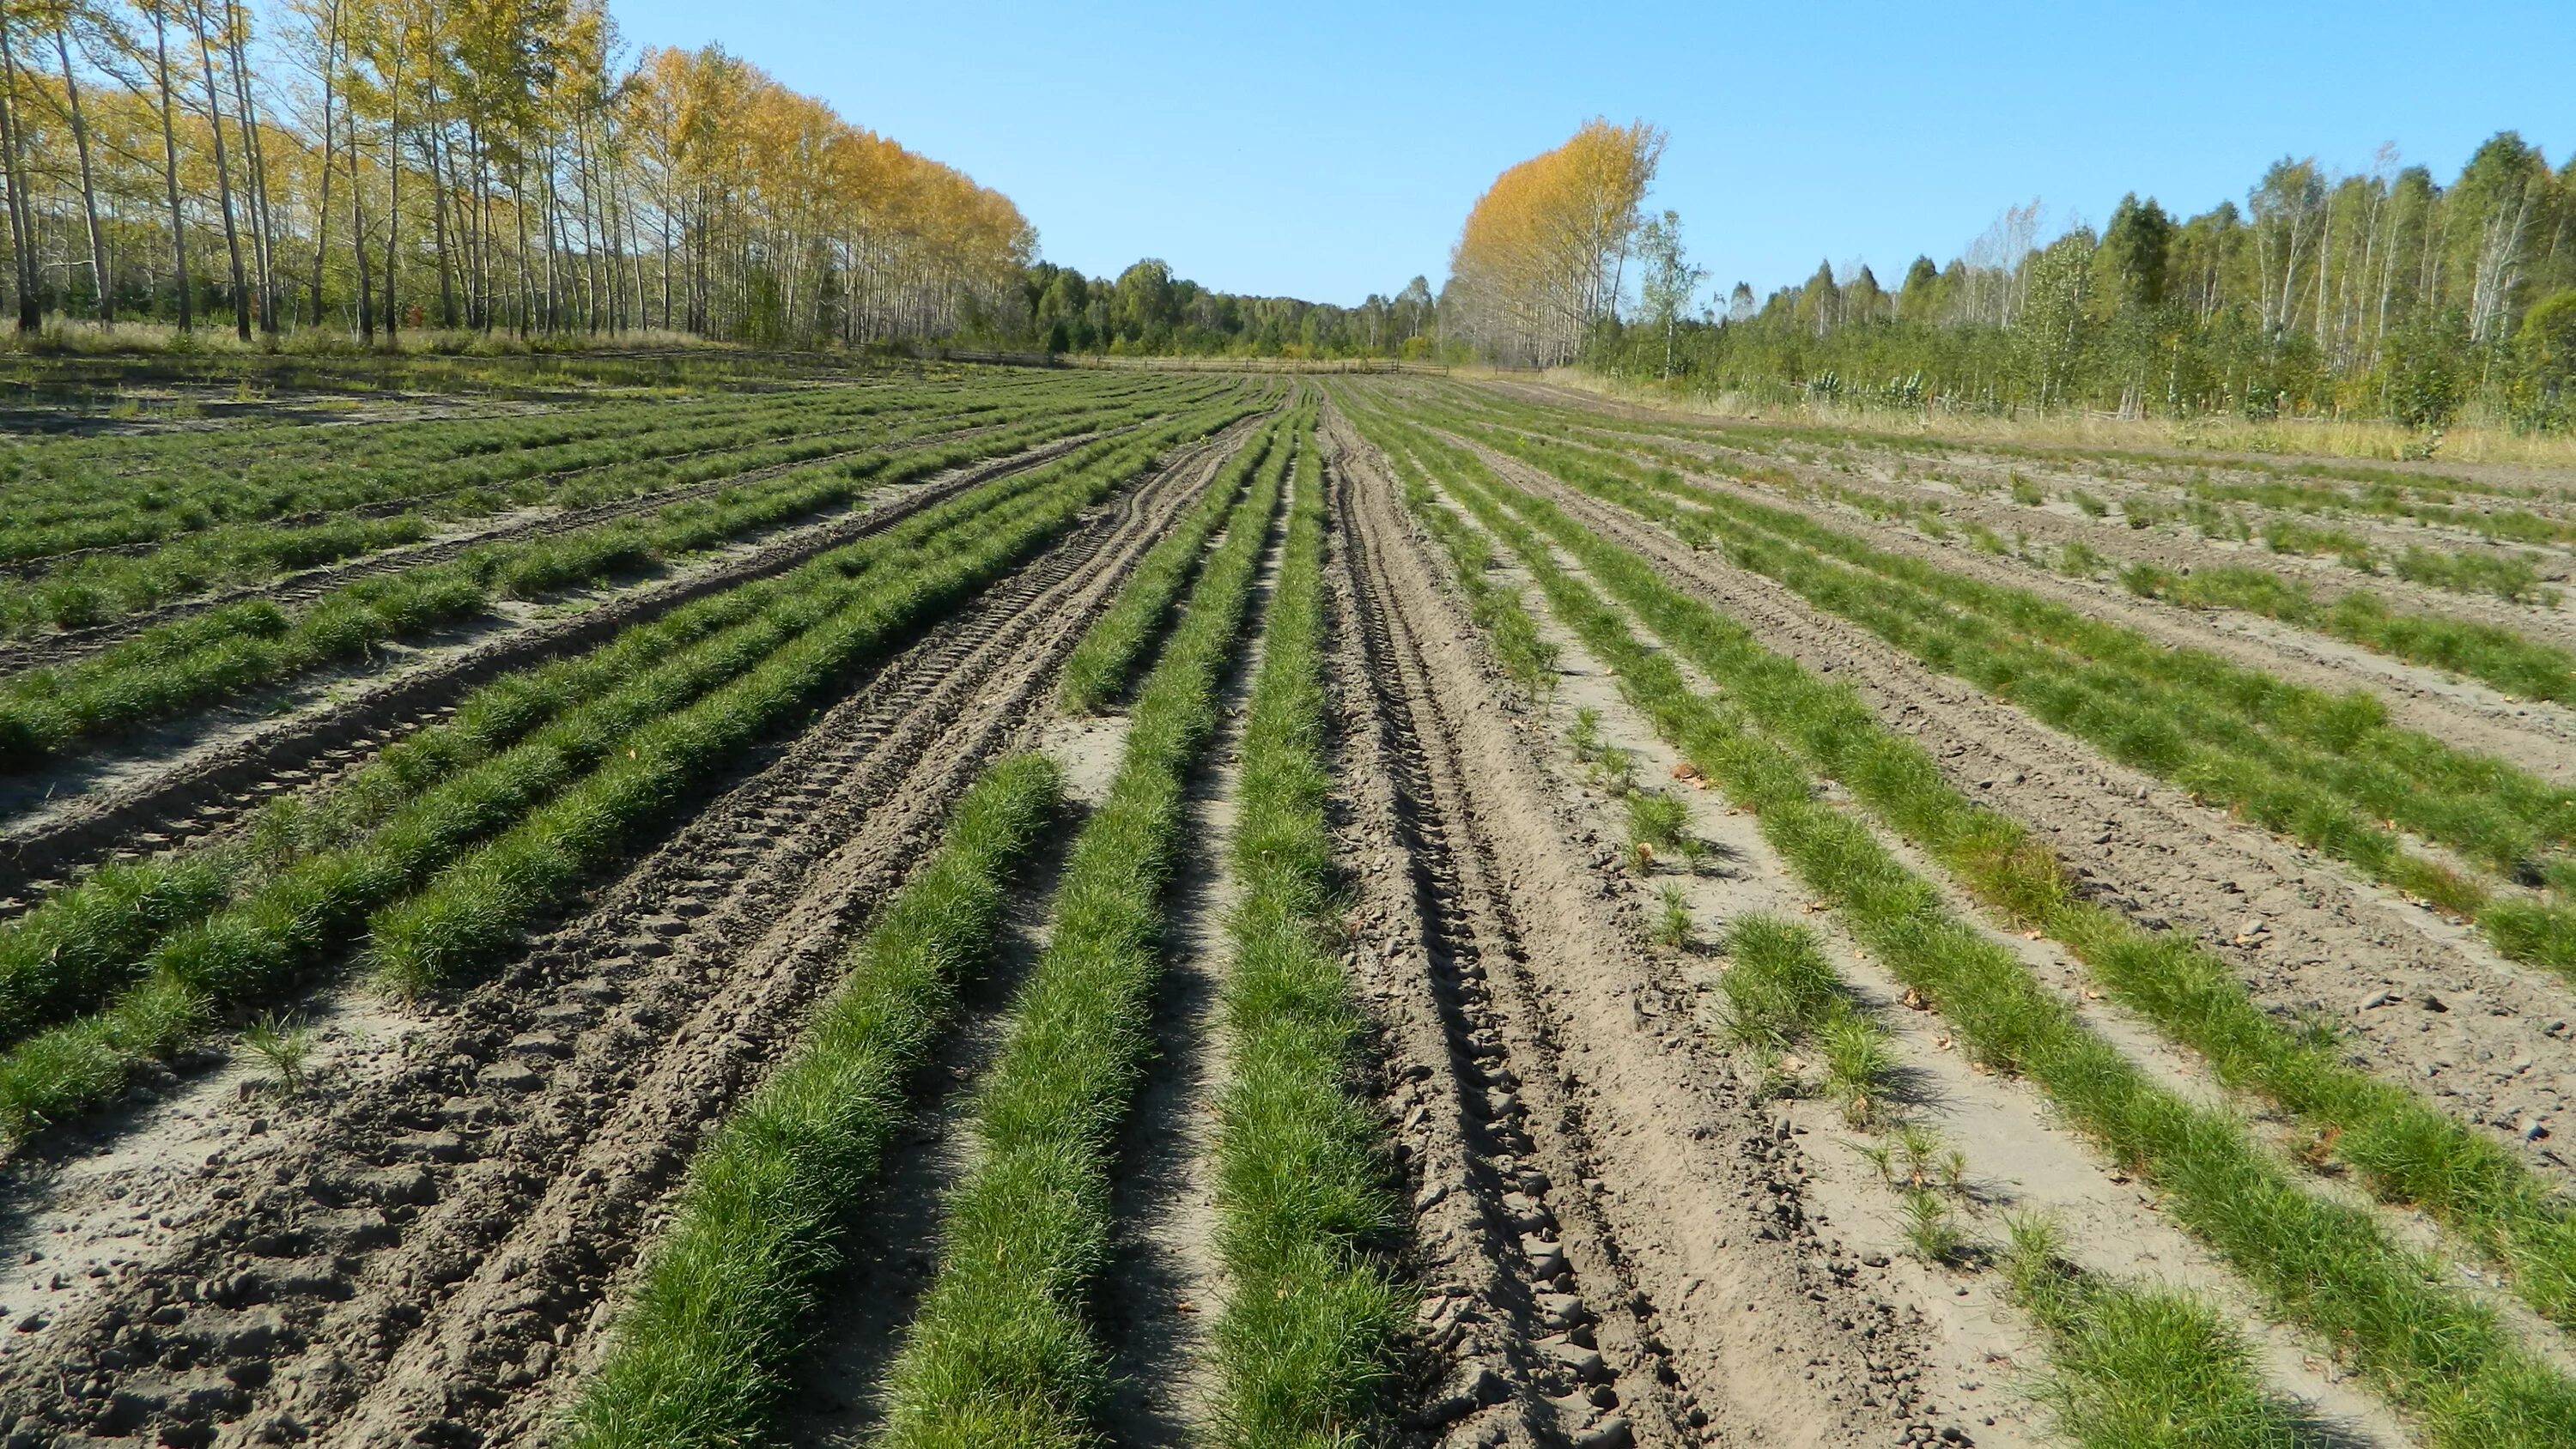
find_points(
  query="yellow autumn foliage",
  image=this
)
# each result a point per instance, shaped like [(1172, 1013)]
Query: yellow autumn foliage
[(1541, 256)]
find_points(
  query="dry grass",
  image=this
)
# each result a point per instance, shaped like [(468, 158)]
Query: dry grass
[(2461, 443)]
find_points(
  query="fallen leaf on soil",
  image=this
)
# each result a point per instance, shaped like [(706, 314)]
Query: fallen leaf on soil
[(1183, 1305)]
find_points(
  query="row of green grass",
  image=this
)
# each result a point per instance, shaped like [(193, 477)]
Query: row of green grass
[(2389, 1311), (477, 908), (566, 798), (59, 955), (2507, 659), (2407, 1149), (348, 516), (1306, 1346), (699, 1353), (211, 525), (1097, 673), (1000, 1353), (2327, 769), (2128, 1364), (2514, 577), (74, 944), (189, 664), (161, 489)]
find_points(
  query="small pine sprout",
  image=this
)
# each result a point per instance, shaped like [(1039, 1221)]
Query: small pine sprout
[(1673, 918), (285, 1044), (1930, 1227)]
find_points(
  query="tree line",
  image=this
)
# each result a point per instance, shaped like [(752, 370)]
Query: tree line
[(374, 166), (2381, 295), (1146, 311)]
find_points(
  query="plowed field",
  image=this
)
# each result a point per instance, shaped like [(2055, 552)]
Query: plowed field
[(1066, 907)]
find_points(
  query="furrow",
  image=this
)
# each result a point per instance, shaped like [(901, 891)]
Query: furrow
[(1727, 1328)]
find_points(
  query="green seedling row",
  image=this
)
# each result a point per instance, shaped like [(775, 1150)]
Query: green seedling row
[(741, 680), (2138, 1367), (195, 662), (2510, 661), (999, 1354), (201, 551), (266, 474), (700, 1351), (2326, 769), (2127, 1363), (2328, 1267), (2408, 1150), (40, 955), (1306, 1346), (1096, 675), (479, 906)]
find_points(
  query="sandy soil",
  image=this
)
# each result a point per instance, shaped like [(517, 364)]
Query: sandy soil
[(1623, 1228), (429, 1236)]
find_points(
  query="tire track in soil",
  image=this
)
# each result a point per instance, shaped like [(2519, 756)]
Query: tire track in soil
[(408, 1255), (2437, 1009), (194, 787), (1613, 1241)]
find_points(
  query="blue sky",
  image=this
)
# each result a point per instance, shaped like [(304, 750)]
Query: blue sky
[(1328, 149)]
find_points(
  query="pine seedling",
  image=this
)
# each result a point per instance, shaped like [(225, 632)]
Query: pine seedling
[(285, 1044), (1672, 919)]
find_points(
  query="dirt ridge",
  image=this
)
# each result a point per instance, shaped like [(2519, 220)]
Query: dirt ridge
[(1570, 1048)]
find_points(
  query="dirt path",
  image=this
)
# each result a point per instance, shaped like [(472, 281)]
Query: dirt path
[(1649, 1272), (2015, 1155), (173, 786), (413, 1251), (2434, 1008)]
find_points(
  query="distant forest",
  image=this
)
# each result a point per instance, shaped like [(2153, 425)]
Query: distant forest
[(2383, 295), (1146, 311)]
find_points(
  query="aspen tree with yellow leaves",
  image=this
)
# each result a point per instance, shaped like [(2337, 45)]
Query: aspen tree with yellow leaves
[(1544, 252), (382, 167)]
